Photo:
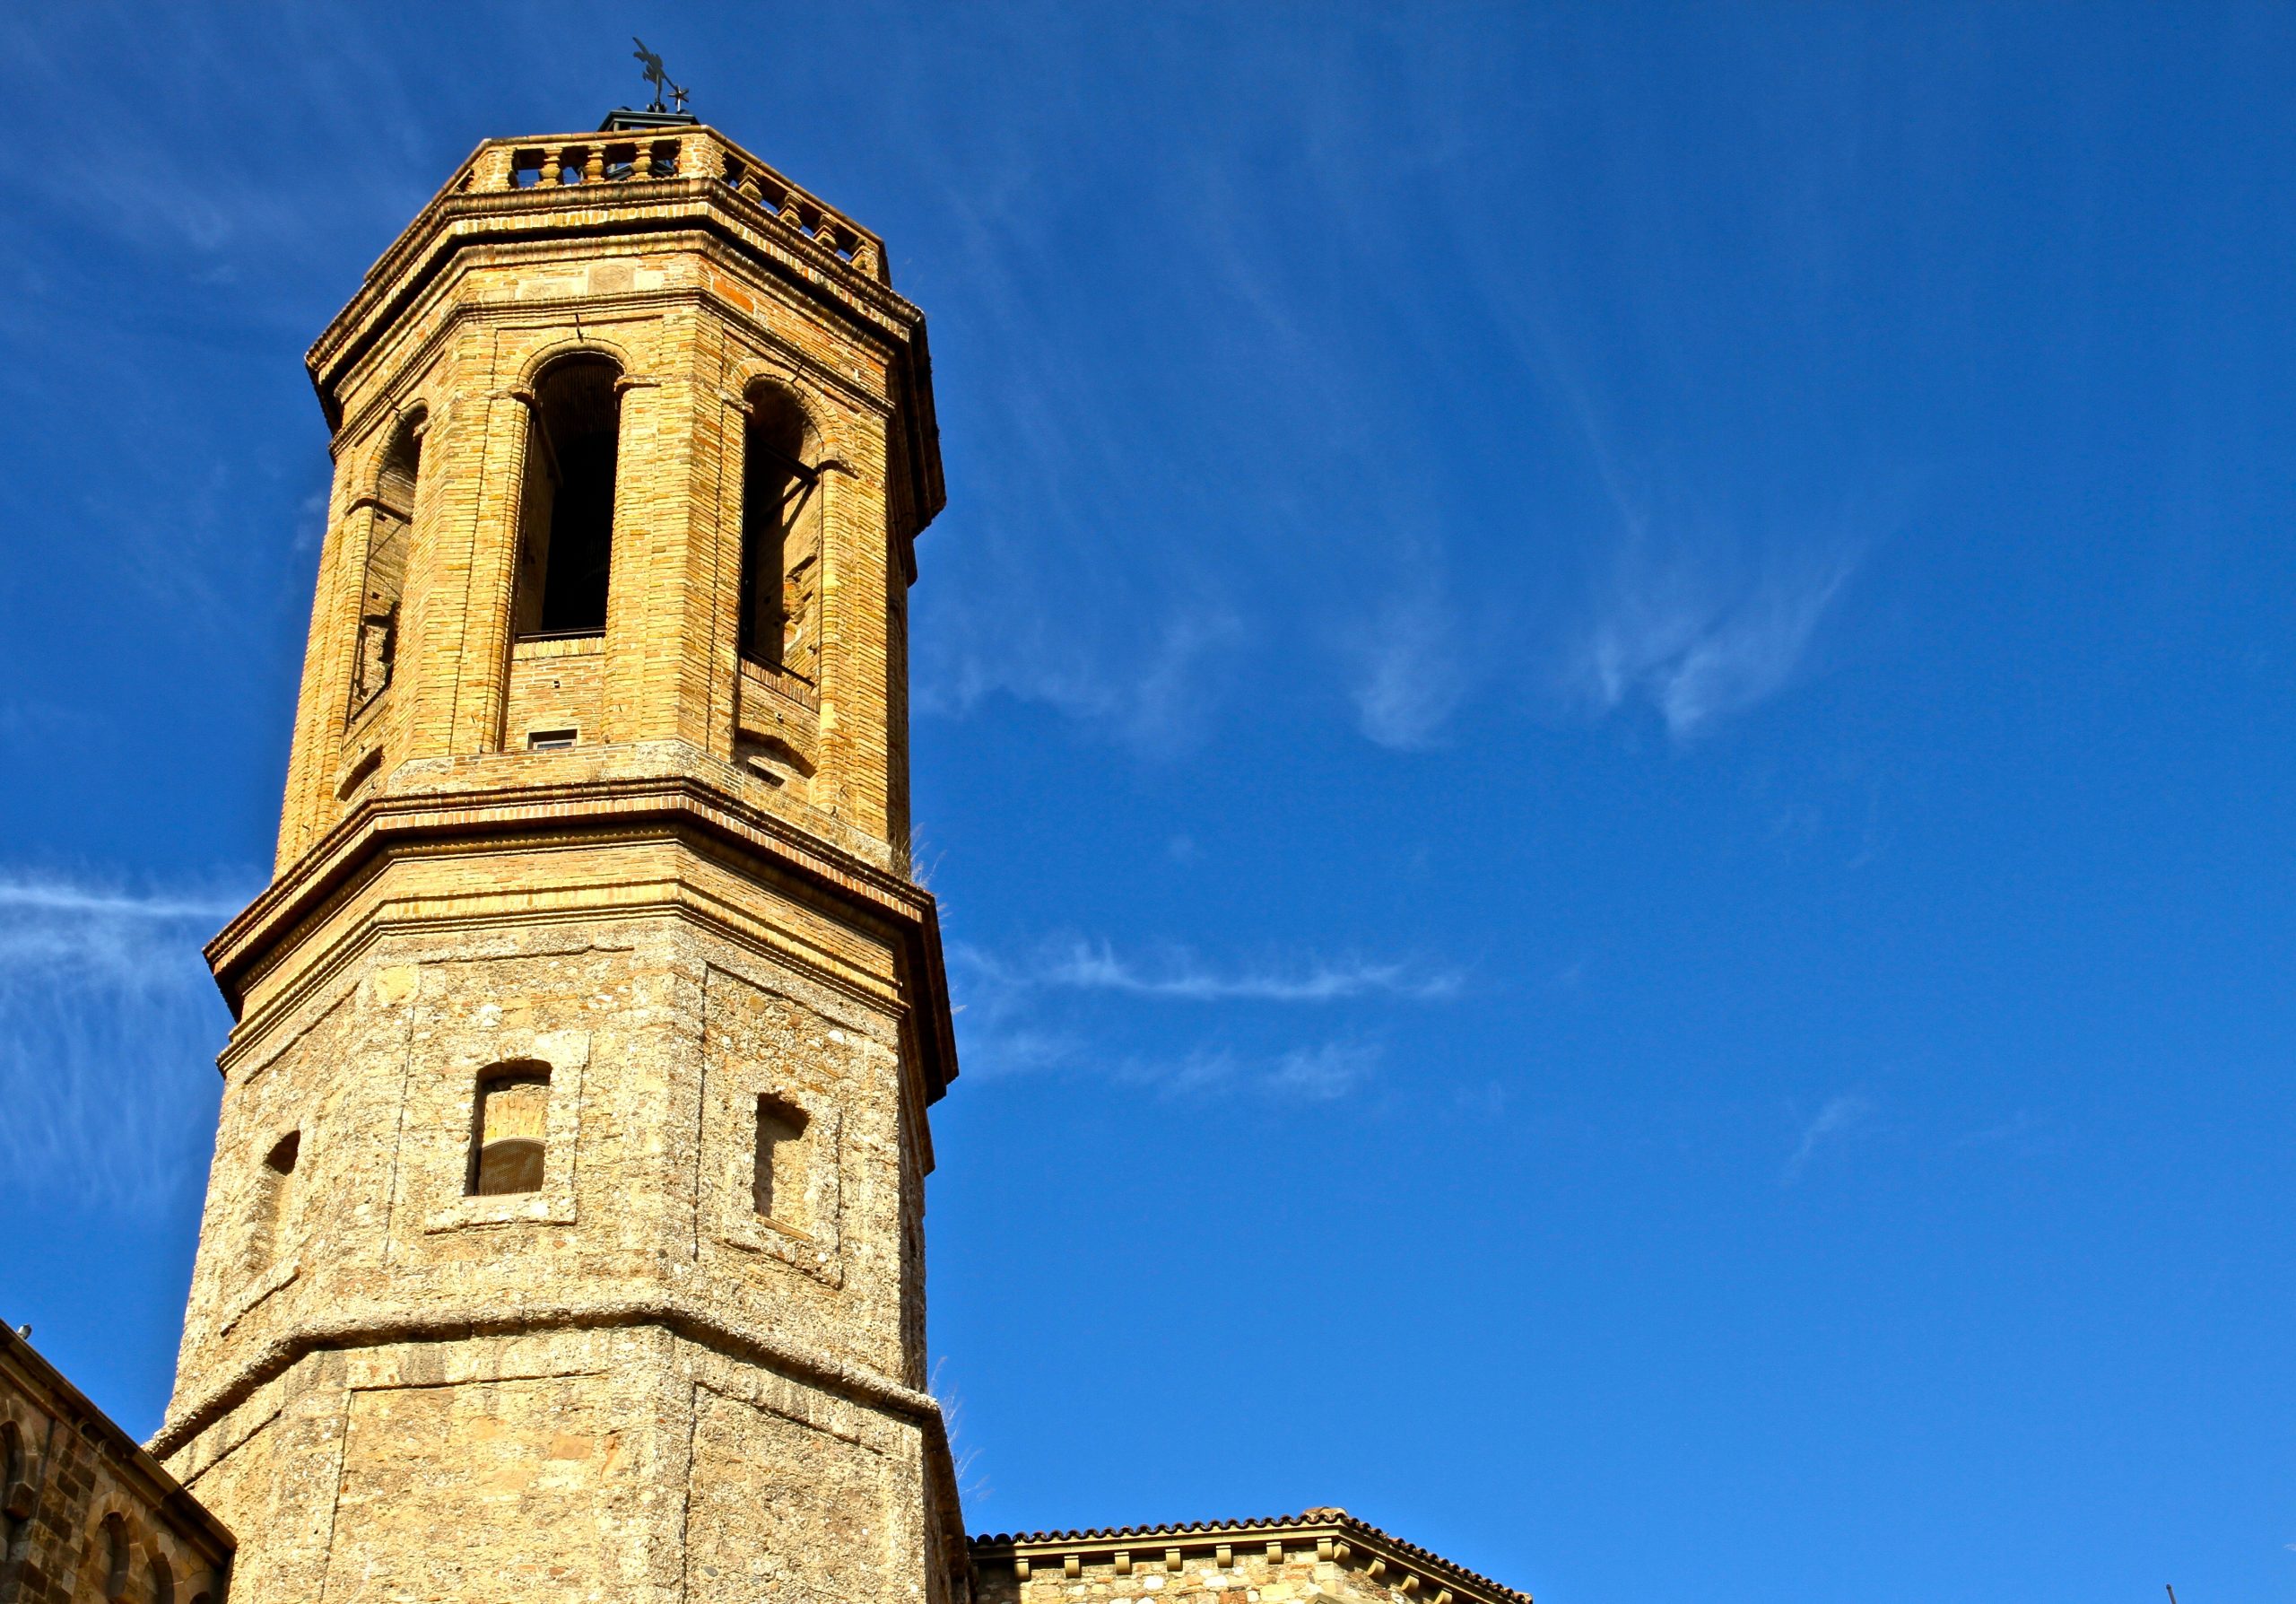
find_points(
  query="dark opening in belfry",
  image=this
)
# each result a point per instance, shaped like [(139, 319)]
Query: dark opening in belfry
[(566, 518), (780, 536), (17, 1496)]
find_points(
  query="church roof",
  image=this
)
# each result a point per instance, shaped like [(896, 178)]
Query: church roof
[(1336, 1534)]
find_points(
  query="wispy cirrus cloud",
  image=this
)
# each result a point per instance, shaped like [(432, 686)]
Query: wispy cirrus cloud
[(108, 1024), (1145, 702), (1411, 672), (83, 920), (1045, 1011), (1699, 640), (1839, 1117), (1180, 973), (1314, 1072)]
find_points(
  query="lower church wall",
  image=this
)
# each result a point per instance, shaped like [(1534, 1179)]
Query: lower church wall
[(85, 1514)]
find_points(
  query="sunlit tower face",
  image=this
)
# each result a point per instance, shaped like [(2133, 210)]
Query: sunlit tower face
[(565, 1231)]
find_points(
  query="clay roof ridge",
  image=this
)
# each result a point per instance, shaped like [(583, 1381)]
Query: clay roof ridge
[(1430, 1555), (1321, 1515), (1161, 1529)]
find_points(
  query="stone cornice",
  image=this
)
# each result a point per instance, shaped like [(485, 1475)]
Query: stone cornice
[(479, 208), (607, 207), (1336, 1536), (390, 402), (670, 206), (389, 822), (374, 1325)]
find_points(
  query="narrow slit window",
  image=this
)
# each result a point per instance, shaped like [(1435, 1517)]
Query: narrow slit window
[(16, 1496), (566, 513), (267, 1204), (777, 1189), (781, 538), (383, 582), (509, 1147)]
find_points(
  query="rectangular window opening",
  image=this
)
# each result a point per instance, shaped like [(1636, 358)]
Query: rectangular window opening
[(509, 1141), (550, 740), (778, 1188)]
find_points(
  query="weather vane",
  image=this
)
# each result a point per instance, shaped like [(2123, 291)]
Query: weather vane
[(658, 76)]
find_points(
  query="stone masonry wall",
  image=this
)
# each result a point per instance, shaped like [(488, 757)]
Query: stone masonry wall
[(85, 1514), (1324, 1557), (658, 889)]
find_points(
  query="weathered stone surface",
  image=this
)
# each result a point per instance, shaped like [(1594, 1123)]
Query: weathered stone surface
[(564, 1234)]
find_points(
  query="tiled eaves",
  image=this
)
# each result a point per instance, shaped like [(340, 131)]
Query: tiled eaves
[(1334, 1535)]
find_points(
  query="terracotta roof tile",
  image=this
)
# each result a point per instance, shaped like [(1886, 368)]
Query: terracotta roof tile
[(1339, 1520)]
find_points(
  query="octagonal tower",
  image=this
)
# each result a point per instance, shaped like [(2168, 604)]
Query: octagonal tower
[(564, 1236)]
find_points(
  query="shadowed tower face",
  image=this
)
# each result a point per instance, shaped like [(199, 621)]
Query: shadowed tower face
[(565, 1232)]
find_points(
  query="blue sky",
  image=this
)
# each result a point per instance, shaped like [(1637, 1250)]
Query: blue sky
[(1607, 721)]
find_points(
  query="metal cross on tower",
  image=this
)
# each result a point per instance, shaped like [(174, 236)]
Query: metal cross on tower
[(658, 76)]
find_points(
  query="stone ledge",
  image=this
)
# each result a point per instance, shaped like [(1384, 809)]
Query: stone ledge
[(24, 1371), (673, 1312), (389, 822)]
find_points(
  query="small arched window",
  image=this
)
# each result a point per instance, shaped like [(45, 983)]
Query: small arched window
[(163, 1581), (388, 539), (115, 1557), (566, 513), (781, 536), (510, 1137)]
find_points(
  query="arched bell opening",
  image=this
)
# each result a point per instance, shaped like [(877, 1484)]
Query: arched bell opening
[(390, 538), (566, 511), (781, 536)]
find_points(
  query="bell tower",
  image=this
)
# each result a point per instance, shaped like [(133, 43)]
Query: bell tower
[(565, 1234)]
